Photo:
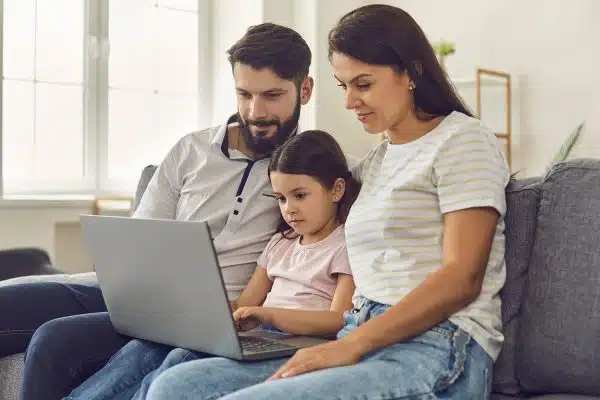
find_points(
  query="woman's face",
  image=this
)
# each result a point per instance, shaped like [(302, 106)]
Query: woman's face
[(379, 95)]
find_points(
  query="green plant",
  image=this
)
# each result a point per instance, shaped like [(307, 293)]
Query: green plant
[(567, 147), (443, 49)]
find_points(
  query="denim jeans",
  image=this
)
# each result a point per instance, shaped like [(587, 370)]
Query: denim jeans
[(66, 351), (131, 370), (24, 307), (129, 374), (442, 363)]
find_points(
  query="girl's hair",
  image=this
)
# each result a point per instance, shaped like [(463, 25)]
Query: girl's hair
[(317, 154), (385, 35)]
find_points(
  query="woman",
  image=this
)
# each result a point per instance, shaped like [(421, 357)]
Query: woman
[(425, 240)]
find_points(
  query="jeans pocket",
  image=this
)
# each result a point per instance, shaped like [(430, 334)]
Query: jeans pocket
[(459, 343), (350, 323)]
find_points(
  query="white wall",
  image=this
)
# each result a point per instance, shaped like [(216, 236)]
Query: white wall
[(548, 46), (328, 102), (39, 226), (313, 19)]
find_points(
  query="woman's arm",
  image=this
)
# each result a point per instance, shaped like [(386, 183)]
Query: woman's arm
[(255, 291), (468, 236), (306, 322)]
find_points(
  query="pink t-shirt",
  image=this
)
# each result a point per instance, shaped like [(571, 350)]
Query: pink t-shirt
[(304, 275)]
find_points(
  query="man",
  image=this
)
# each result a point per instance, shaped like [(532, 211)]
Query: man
[(217, 175)]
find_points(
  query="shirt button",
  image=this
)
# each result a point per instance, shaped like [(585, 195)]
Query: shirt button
[(239, 199), (235, 212)]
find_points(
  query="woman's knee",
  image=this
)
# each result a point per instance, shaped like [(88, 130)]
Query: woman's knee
[(174, 381), (185, 380)]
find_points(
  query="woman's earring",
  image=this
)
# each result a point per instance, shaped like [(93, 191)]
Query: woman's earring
[(411, 87)]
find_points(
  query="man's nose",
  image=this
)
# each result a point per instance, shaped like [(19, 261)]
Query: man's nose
[(258, 110)]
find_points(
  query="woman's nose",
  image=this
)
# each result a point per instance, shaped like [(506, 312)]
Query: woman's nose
[(350, 100)]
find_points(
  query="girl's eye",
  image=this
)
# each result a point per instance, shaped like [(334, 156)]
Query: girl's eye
[(281, 199), (363, 86), (300, 196), (342, 86)]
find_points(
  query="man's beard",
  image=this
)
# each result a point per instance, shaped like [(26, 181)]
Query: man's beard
[(264, 146)]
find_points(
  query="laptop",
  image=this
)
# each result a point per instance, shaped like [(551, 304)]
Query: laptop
[(161, 282)]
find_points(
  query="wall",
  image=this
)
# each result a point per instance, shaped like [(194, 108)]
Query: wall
[(42, 225), (312, 19), (550, 51), (548, 47)]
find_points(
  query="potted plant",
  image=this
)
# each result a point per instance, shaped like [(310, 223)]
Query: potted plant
[(443, 49)]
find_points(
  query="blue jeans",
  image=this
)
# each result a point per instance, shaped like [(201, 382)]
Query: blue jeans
[(66, 351), (442, 363), (131, 370), (24, 307), (129, 374)]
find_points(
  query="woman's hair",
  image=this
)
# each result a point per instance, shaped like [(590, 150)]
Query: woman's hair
[(386, 35), (317, 154)]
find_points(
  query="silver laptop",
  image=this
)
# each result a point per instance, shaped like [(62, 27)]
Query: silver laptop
[(161, 282)]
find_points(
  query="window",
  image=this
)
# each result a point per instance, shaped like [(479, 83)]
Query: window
[(94, 90)]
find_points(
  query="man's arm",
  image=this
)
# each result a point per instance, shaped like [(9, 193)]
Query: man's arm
[(162, 193)]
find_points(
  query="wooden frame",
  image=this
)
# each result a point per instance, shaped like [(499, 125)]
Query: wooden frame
[(96, 202), (506, 135)]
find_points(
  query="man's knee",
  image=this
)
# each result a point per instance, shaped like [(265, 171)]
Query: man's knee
[(58, 335), (47, 337)]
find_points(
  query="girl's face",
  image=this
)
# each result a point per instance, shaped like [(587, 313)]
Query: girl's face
[(308, 207), (379, 95)]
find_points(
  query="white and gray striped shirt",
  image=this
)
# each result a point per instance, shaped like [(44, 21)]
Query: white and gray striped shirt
[(395, 229)]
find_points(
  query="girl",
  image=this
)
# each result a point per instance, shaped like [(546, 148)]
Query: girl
[(425, 240), (303, 282)]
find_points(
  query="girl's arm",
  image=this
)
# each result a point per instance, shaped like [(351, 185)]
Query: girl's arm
[(306, 322), (255, 291)]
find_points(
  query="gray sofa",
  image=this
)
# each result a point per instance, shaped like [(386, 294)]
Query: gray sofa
[(11, 367), (551, 300)]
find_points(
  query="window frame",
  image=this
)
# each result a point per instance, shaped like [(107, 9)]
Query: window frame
[(95, 127)]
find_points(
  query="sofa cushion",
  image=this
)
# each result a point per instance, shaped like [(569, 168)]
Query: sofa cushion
[(521, 203), (84, 278), (558, 346), (11, 371), (498, 396), (563, 397)]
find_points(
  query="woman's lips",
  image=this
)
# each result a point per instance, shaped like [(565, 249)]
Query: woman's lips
[(363, 117)]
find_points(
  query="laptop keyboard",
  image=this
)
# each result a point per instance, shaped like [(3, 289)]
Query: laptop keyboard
[(253, 344)]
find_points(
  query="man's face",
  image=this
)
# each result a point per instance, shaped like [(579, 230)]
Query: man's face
[(268, 106)]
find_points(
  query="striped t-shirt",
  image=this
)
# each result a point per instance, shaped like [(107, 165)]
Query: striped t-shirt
[(394, 230)]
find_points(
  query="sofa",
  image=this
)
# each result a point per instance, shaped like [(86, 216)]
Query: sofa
[(33, 265), (551, 299)]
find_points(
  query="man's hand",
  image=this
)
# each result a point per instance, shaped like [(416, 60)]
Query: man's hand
[(247, 318), (328, 355)]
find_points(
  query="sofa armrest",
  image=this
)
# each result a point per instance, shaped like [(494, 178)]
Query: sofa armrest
[(25, 261)]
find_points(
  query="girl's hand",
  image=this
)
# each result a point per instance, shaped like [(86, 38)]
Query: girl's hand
[(328, 355), (247, 318)]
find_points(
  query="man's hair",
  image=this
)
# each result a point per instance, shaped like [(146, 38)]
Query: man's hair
[(276, 47)]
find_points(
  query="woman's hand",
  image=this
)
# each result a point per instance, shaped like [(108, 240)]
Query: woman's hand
[(247, 318), (328, 355)]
